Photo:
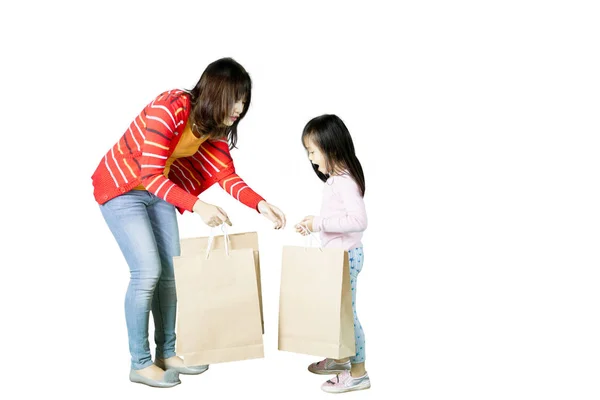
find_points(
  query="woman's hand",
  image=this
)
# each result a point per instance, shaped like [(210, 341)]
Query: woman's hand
[(211, 215), (272, 213)]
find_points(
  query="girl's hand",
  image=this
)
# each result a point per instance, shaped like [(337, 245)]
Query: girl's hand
[(272, 213), (301, 229), (211, 215), (307, 222)]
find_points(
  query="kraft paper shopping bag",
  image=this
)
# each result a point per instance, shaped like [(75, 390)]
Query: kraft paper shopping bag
[(195, 245), (315, 302), (218, 310)]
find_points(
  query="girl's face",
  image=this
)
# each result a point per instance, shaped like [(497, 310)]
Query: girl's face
[(315, 156), (233, 116)]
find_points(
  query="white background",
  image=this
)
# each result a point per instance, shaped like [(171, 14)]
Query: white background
[(477, 127)]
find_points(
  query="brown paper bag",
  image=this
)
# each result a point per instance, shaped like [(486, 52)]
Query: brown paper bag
[(218, 310), (315, 302), (247, 240)]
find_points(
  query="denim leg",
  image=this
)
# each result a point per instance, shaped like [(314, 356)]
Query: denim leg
[(164, 304), (356, 259), (129, 220)]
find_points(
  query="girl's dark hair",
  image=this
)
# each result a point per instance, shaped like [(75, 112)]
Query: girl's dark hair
[(221, 85), (329, 133)]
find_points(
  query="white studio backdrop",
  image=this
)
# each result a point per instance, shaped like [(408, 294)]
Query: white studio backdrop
[(477, 127)]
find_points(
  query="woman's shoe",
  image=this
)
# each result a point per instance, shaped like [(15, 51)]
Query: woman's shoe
[(176, 363), (170, 379)]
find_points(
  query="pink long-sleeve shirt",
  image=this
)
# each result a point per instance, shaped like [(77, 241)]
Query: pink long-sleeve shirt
[(343, 216)]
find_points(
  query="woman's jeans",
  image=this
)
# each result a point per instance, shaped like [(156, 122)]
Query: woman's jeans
[(146, 230)]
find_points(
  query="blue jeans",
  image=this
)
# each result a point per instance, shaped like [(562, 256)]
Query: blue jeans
[(145, 227)]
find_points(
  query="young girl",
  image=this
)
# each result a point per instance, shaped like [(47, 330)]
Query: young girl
[(341, 224)]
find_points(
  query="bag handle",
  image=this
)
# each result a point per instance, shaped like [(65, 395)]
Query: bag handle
[(211, 238), (310, 237)]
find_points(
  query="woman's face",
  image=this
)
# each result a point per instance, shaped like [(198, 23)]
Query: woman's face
[(233, 116)]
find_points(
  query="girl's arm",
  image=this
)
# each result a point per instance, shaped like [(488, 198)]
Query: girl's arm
[(355, 219)]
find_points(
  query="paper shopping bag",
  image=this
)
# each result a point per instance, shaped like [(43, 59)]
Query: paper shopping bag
[(315, 302), (247, 240), (218, 310)]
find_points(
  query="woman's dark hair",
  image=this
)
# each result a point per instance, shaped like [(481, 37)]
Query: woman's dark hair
[(221, 85), (329, 133)]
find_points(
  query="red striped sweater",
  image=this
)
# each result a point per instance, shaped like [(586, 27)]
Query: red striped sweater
[(140, 155)]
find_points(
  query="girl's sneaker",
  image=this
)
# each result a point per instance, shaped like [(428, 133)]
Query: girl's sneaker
[(328, 366), (344, 382)]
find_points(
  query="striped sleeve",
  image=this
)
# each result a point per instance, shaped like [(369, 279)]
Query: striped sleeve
[(237, 188), (161, 121)]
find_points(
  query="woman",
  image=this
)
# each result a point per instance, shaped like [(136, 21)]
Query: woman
[(176, 148)]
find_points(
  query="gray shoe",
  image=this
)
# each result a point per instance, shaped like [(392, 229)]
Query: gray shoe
[(170, 379), (182, 369)]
